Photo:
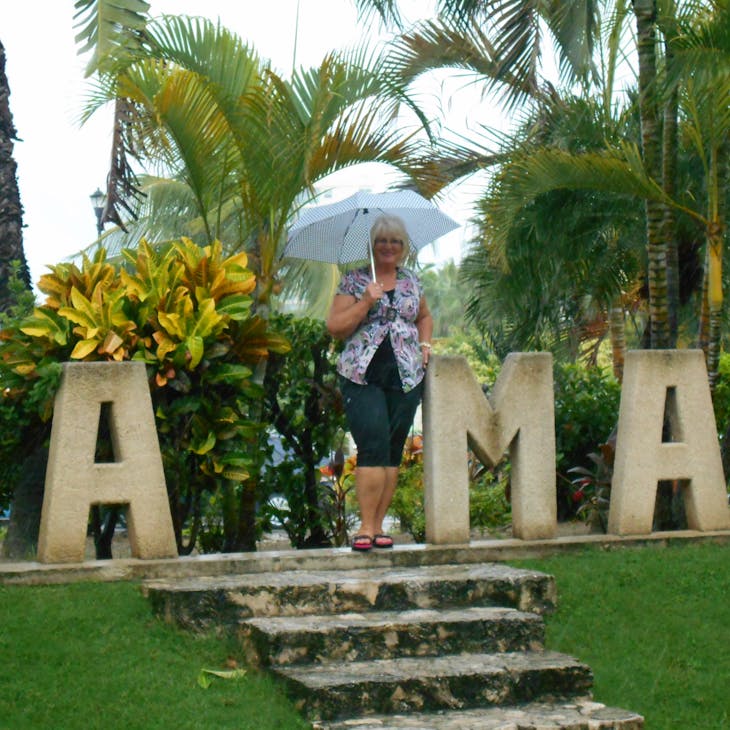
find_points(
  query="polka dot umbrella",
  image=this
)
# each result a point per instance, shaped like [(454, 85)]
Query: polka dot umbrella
[(339, 233)]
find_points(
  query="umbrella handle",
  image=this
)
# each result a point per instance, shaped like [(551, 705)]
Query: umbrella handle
[(372, 261)]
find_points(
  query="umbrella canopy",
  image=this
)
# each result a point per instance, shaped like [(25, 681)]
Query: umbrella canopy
[(339, 233)]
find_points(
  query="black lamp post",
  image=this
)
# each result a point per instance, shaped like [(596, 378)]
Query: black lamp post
[(97, 201)]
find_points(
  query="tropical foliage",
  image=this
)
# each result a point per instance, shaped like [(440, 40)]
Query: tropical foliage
[(651, 168), (303, 407), (185, 312)]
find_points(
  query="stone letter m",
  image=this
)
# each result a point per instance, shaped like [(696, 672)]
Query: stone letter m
[(518, 414)]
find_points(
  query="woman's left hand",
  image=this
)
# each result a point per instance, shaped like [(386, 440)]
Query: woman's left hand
[(425, 352)]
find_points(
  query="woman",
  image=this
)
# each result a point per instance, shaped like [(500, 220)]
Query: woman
[(387, 330)]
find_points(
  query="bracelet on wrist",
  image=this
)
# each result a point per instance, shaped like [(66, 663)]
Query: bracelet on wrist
[(427, 345)]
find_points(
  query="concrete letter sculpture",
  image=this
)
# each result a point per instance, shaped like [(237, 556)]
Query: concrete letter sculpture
[(519, 414), (672, 382), (74, 482)]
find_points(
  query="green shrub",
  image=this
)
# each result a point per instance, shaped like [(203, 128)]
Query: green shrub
[(489, 507), (407, 504), (18, 415), (586, 414), (484, 364), (303, 406)]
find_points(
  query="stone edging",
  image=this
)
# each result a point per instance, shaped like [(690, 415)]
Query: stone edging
[(477, 551)]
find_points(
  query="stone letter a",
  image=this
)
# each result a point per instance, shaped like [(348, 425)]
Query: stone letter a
[(74, 482), (671, 382), (519, 414)]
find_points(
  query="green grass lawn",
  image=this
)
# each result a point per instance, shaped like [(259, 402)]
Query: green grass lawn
[(654, 625), (92, 656)]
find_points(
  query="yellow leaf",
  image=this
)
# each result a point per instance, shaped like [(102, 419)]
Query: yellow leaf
[(206, 446), (25, 369), (171, 323), (235, 475), (83, 348)]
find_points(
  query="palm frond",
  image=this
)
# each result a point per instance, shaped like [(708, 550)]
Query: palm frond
[(386, 10), (108, 28), (575, 26), (545, 170), (436, 44), (451, 162)]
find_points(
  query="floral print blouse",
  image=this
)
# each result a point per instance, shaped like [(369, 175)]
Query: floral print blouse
[(363, 343)]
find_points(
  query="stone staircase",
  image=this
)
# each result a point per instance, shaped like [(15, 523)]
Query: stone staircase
[(434, 646)]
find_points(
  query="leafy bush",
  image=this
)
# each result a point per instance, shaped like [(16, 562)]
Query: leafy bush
[(17, 415), (303, 405), (488, 504), (483, 363), (489, 507), (186, 313), (407, 505), (592, 486), (586, 413)]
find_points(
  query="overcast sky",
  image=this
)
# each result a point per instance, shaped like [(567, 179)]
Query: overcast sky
[(61, 163)]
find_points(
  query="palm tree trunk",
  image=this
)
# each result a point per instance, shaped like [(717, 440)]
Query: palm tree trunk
[(703, 333), (617, 331), (645, 13), (713, 349), (11, 211), (715, 236), (670, 146)]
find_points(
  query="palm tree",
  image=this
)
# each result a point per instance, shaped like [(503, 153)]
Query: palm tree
[(498, 48), (645, 12), (12, 256), (501, 41), (702, 56), (248, 145), (538, 284), (465, 37)]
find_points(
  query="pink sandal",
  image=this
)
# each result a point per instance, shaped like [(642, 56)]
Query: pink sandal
[(362, 543), (383, 541)]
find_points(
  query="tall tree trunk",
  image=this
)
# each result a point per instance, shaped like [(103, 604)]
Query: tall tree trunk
[(703, 333), (715, 239), (11, 211), (670, 145), (646, 13), (21, 540), (617, 331)]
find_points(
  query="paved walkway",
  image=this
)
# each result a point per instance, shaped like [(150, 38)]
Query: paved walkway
[(410, 555)]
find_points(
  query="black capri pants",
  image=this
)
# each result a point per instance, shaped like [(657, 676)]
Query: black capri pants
[(379, 420)]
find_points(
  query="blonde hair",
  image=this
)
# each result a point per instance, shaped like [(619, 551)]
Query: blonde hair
[(391, 225)]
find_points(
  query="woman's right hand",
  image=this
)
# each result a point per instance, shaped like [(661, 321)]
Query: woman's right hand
[(373, 292)]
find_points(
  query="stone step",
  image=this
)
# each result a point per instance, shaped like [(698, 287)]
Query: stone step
[(284, 640), (582, 714), (224, 600), (425, 684)]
